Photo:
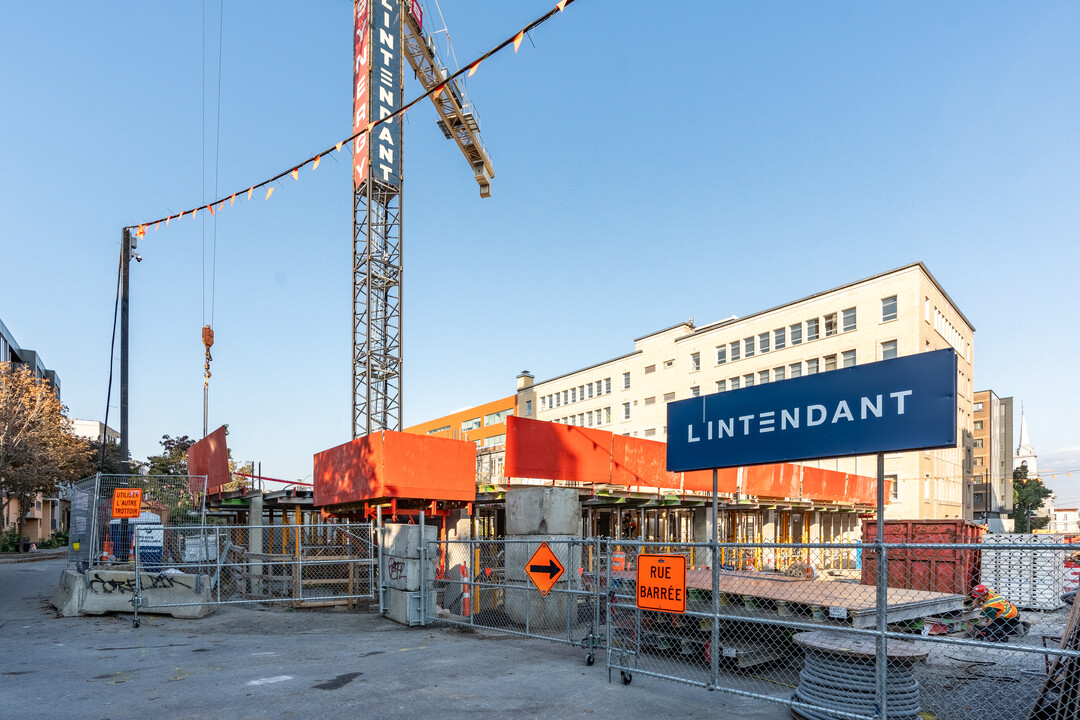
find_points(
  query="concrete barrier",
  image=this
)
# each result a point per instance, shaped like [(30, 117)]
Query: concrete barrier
[(403, 541), (545, 612), (102, 591), (543, 510)]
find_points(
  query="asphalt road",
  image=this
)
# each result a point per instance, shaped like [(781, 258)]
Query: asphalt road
[(243, 662)]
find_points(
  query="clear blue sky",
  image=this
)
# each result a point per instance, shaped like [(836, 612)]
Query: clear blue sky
[(654, 162)]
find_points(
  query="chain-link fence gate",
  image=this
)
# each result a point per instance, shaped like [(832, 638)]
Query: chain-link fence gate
[(545, 589), (307, 565)]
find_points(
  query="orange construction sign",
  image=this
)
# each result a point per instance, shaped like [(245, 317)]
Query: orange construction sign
[(544, 569), (126, 502), (661, 583)]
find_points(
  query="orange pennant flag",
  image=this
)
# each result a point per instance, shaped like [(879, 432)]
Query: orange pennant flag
[(221, 205), (180, 215), (167, 220), (194, 212), (315, 165), (518, 39), (561, 4), (338, 146), (295, 174), (472, 68), (269, 192), (232, 199), (157, 225), (438, 91), (211, 209), (250, 189)]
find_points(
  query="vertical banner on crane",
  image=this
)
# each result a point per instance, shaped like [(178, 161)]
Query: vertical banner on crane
[(377, 91), (387, 91), (361, 93)]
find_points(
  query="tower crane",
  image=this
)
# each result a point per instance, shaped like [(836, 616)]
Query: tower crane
[(386, 33)]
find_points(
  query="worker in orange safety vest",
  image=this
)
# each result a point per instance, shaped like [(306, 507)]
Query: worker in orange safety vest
[(1000, 617)]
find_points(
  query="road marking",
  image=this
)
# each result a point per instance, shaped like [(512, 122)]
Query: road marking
[(267, 681)]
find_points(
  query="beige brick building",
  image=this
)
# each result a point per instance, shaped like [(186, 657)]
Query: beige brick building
[(900, 312)]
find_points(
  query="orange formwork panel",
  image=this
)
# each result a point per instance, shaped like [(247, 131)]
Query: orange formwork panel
[(635, 461), (550, 451), (774, 481), (727, 481), (209, 457), (389, 464)]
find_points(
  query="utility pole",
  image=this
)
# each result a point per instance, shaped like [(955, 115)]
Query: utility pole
[(125, 277)]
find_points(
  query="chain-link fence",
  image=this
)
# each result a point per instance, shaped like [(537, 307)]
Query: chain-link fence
[(306, 565), (545, 588), (162, 501), (798, 628)]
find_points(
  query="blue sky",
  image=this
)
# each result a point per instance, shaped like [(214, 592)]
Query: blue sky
[(654, 162)]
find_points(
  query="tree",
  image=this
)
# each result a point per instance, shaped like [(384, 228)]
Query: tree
[(114, 464), (173, 459), (1028, 496), (38, 451)]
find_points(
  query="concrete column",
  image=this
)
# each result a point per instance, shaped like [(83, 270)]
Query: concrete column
[(255, 539)]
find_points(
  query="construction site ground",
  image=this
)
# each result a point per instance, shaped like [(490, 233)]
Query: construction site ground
[(245, 662)]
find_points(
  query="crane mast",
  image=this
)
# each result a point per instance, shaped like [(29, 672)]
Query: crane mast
[(385, 33)]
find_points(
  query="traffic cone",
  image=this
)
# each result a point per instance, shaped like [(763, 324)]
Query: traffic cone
[(466, 600)]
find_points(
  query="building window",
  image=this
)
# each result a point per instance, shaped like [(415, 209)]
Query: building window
[(669, 397), (978, 407), (695, 362), (779, 338), (848, 358), (763, 342), (468, 425), (558, 399), (650, 432), (495, 440), (565, 397), (626, 381), (812, 367), (748, 347), (436, 431), (721, 355), (734, 347), (894, 487), (573, 395), (650, 400), (779, 373), (528, 407), (695, 391), (721, 385), (607, 416), (830, 324), (849, 319), (795, 331), (626, 411), (978, 424), (888, 308), (978, 461), (497, 417), (590, 389), (978, 442), (830, 362), (888, 350), (762, 377), (607, 386), (748, 380), (811, 329), (581, 419), (795, 370), (734, 382), (650, 369)]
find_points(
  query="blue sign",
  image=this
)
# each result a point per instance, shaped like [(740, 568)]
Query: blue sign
[(907, 403)]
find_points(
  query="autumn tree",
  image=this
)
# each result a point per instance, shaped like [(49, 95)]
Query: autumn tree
[(1028, 496), (38, 451)]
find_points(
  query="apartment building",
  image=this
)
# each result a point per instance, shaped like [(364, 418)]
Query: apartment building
[(992, 431), (896, 313)]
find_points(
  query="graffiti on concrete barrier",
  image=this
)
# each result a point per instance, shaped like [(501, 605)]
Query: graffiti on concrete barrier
[(396, 568), (160, 581)]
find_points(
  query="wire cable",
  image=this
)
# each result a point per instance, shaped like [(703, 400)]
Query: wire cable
[(112, 355)]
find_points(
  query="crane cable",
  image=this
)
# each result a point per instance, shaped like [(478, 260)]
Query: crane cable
[(207, 330)]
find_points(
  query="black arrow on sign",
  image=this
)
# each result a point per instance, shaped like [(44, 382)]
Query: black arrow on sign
[(551, 569)]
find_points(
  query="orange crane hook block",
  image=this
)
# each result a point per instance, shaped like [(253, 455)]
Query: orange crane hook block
[(208, 341)]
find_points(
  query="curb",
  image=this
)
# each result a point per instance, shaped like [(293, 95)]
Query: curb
[(14, 558)]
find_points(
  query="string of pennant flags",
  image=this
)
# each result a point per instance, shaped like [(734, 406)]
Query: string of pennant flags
[(469, 70)]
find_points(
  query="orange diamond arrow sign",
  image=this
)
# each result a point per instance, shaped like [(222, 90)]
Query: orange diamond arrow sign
[(544, 569)]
